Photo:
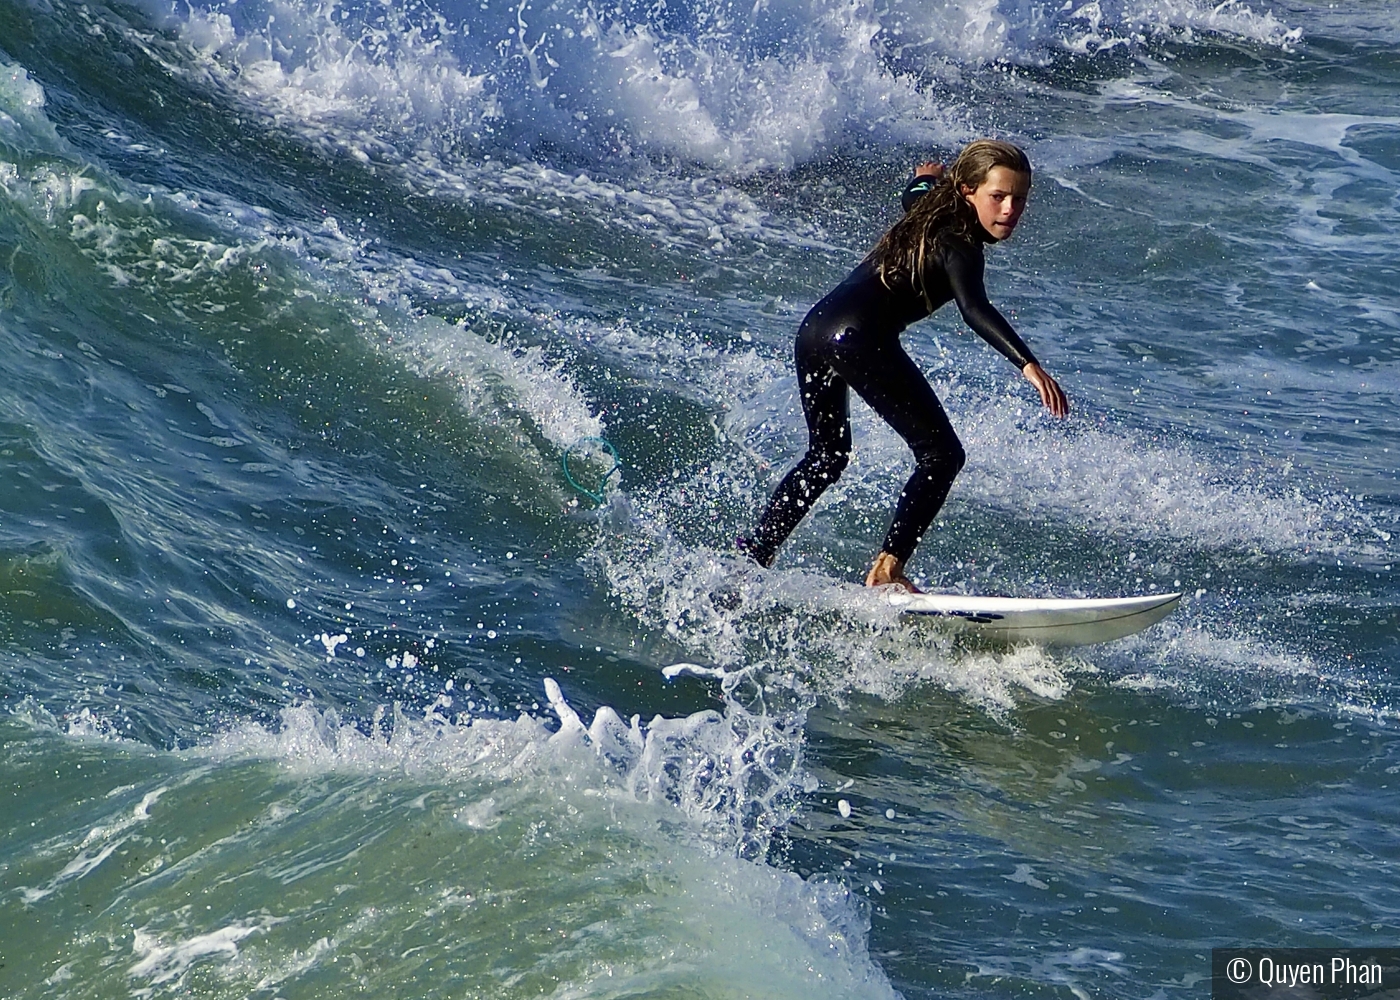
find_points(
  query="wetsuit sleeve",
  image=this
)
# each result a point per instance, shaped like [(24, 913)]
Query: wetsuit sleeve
[(965, 265), (916, 189)]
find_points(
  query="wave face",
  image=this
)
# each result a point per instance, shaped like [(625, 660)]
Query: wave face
[(384, 385)]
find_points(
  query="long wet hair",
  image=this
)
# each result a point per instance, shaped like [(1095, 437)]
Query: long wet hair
[(942, 213)]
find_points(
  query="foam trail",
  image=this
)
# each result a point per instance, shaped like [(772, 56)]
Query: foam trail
[(797, 631)]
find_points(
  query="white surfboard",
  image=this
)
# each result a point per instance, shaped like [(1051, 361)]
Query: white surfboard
[(1044, 621)]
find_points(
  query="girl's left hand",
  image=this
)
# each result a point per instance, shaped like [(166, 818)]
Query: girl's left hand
[(1051, 394)]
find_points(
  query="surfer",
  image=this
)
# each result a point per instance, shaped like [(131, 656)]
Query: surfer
[(850, 339)]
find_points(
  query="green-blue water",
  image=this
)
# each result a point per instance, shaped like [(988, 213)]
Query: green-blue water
[(320, 679)]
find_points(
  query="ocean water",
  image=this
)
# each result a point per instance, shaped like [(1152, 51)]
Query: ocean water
[(320, 678)]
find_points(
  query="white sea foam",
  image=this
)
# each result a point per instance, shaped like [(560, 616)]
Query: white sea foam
[(797, 630), (1113, 480), (538, 388), (1308, 190), (708, 91), (1099, 24), (307, 62), (23, 123), (110, 222), (734, 774), (733, 87), (80, 723), (1188, 652), (495, 381), (692, 798), (717, 778), (97, 845), (160, 960)]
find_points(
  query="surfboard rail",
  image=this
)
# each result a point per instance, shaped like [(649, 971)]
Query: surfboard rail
[(1053, 621)]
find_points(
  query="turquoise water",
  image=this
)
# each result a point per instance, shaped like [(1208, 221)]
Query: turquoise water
[(319, 678)]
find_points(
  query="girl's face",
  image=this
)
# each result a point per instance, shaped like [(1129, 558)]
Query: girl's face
[(999, 200)]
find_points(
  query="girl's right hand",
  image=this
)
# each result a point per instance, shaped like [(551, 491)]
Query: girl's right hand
[(929, 169)]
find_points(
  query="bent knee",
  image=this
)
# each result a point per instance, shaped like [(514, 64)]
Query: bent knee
[(947, 457)]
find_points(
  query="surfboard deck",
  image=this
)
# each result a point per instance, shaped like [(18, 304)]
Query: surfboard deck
[(1055, 621)]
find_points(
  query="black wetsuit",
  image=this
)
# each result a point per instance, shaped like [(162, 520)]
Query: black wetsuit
[(851, 339)]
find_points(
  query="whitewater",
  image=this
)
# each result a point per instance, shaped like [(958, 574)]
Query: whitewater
[(320, 676)]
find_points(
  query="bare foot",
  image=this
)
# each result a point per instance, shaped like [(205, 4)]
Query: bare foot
[(889, 571)]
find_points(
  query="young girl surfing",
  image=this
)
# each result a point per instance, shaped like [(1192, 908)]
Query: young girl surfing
[(850, 339)]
